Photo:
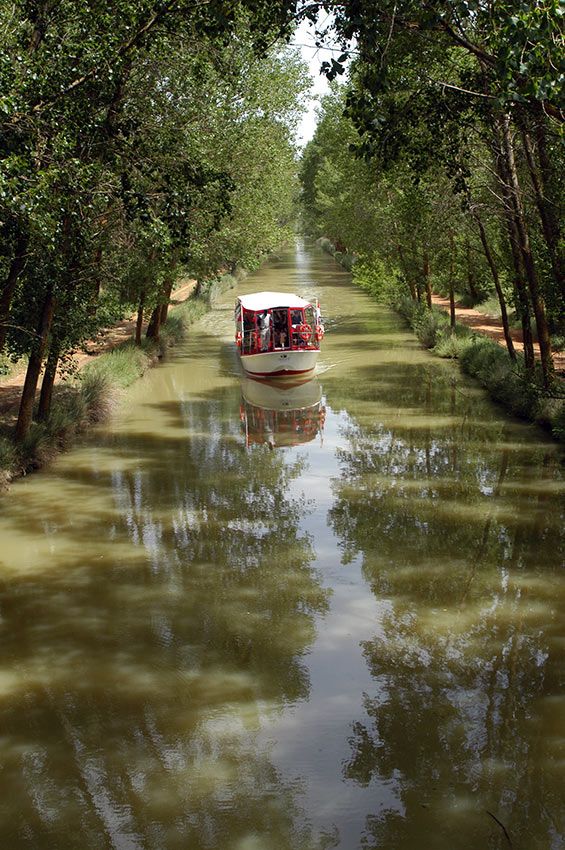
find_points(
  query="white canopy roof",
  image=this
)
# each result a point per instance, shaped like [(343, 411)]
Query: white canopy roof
[(268, 300)]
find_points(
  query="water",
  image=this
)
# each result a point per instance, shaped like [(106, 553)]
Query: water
[(335, 621)]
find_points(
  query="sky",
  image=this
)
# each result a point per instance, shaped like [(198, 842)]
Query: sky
[(313, 56)]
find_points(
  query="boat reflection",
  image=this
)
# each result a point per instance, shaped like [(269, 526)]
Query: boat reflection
[(281, 413)]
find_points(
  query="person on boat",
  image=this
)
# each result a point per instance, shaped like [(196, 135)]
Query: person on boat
[(318, 315), (280, 327), (264, 322), (296, 323)]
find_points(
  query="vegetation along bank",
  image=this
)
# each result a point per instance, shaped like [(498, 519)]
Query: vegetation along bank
[(439, 164), (136, 149)]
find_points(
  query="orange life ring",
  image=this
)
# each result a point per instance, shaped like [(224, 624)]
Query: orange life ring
[(319, 333), (305, 332), (253, 339), (238, 338)]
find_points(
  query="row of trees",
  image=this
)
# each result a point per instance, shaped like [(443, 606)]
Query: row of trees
[(440, 160), (136, 141)]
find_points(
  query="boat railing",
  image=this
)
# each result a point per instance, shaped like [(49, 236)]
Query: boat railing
[(257, 342)]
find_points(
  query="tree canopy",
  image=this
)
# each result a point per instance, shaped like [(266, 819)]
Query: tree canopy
[(137, 141)]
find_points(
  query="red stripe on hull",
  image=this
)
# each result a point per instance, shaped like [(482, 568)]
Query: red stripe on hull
[(280, 372)]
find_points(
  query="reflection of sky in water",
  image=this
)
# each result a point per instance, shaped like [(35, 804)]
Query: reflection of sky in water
[(250, 648)]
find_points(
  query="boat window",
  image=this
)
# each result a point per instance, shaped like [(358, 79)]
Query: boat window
[(280, 327)]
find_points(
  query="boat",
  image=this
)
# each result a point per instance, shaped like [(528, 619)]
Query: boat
[(281, 414), (277, 334)]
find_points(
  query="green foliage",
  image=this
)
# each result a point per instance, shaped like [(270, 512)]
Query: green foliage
[(7, 454), (326, 245), (97, 391), (506, 380), (120, 367), (373, 276), (134, 141), (36, 449), (428, 325), (180, 318)]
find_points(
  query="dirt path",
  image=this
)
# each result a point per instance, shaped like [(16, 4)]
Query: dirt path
[(492, 327), (109, 338)]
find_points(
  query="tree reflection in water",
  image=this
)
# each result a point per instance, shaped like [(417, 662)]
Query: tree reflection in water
[(462, 541), (142, 687)]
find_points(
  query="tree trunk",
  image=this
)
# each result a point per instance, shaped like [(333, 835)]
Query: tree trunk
[(527, 256), (426, 275), (168, 288), (451, 284), (549, 230), (523, 303), (497, 286), (409, 281), (139, 322), (34, 368), (159, 314), (472, 286), (46, 395), (542, 178), (154, 326), (9, 286)]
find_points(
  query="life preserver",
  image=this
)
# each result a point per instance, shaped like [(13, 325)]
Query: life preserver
[(238, 338), (304, 332), (319, 333), (253, 339)]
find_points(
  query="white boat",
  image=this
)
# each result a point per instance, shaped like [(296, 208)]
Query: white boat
[(277, 334)]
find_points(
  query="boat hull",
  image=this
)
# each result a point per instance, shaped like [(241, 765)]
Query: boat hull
[(279, 364)]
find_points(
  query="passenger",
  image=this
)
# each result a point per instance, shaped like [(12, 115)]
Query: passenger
[(264, 323), (318, 314), (296, 321)]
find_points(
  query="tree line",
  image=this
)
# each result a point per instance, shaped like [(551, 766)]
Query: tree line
[(137, 140), (439, 161), (146, 137)]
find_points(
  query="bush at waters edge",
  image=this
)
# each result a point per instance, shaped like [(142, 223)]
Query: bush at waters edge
[(505, 380)]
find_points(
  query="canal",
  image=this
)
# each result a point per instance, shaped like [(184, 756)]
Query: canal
[(242, 618)]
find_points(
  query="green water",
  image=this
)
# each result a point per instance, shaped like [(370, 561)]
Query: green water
[(335, 621)]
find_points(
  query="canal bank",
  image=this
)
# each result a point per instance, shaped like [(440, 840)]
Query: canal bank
[(477, 343), (351, 640)]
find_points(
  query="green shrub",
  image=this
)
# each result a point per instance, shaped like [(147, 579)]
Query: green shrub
[(326, 245), (556, 418), (63, 424), (122, 366), (428, 325), (37, 448), (96, 389), (180, 318), (451, 345), (372, 276), (505, 379), (348, 262), (7, 454)]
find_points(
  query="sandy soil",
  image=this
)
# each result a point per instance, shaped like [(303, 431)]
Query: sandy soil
[(493, 328), (11, 388)]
